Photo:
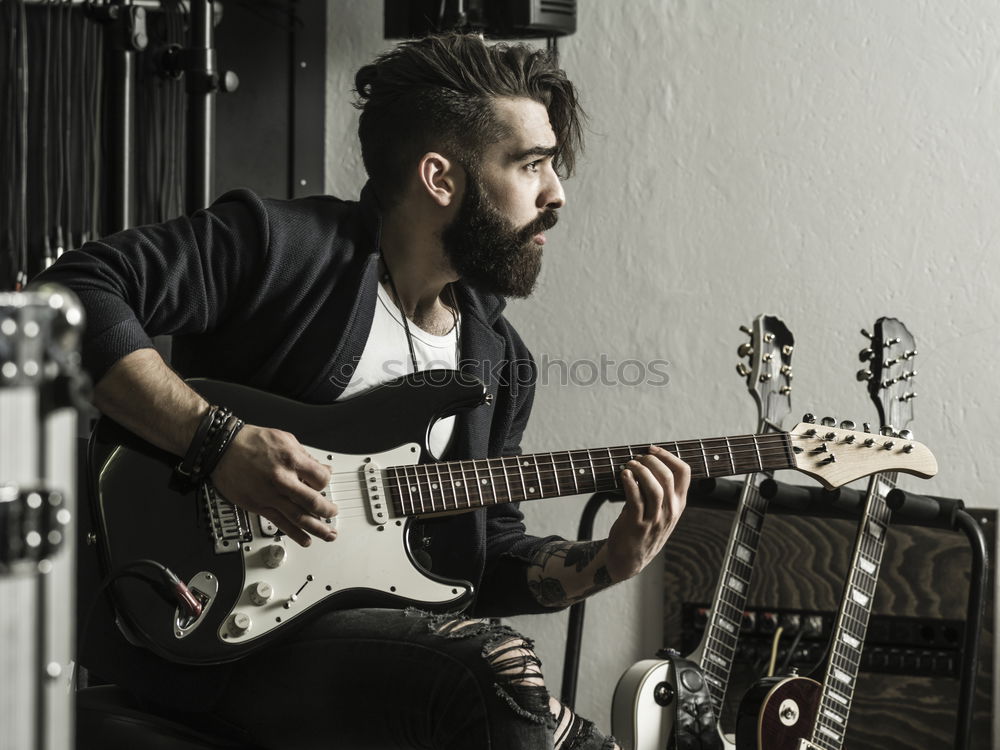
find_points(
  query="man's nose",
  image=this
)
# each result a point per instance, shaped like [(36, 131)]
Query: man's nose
[(552, 195)]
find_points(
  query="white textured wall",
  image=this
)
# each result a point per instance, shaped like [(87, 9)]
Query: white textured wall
[(828, 162)]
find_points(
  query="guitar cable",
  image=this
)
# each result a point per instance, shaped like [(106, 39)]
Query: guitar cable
[(774, 650), (170, 588), (783, 669)]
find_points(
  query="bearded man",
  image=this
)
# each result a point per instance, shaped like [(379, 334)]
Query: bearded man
[(318, 300)]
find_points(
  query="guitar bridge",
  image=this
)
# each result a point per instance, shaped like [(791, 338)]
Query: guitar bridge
[(230, 525)]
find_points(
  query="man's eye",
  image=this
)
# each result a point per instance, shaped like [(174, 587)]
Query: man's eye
[(533, 166)]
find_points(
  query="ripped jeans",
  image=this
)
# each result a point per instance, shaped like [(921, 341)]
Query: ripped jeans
[(382, 678)]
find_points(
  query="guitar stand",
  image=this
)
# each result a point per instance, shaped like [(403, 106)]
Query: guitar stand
[(907, 509)]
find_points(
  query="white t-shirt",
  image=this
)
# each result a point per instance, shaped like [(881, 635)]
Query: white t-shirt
[(387, 356)]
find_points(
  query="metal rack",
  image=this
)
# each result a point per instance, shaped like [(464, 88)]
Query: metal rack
[(40, 386)]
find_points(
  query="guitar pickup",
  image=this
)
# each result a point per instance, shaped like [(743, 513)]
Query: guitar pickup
[(375, 493)]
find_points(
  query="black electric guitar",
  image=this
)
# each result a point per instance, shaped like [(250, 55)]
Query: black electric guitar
[(253, 584), (645, 705), (796, 713)]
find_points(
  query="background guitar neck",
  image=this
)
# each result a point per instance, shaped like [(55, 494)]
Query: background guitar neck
[(851, 626)]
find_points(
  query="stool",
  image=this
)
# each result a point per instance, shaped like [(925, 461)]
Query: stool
[(108, 718)]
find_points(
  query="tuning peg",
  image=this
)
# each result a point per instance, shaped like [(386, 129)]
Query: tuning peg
[(866, 426), (864, 375), (785, 390), (910, 354), (911, 374), (866, 334), (745, 350), (908, 396), (787, 350), (828, 421), (808, 418), (886, 430), (905, 435), (746, 330), (865, 354), (847, 425), (764, 377), (768, 338), (786, 370), (891, 342), (742, 369)]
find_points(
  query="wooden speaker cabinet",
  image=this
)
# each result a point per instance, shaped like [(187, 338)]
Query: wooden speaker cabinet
[(801, 566)]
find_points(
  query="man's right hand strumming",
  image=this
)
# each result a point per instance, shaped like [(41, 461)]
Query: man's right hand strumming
[(262, 470), (268, 472)]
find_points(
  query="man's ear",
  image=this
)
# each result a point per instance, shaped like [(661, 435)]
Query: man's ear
[(440, 178)]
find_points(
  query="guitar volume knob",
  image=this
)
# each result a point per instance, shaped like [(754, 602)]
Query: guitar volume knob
[(261, 593), (274, 555), (239, 623)]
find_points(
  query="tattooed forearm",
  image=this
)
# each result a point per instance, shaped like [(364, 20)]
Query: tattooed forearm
[(563, 573)]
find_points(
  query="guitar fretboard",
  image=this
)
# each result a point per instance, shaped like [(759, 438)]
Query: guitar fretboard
[(726, 616), (461, 485), (852, 620)]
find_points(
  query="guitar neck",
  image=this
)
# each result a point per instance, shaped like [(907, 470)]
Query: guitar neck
[(852, 620), (729, 602), (461, 485)]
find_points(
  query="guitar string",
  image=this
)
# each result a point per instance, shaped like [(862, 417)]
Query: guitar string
[(546, 470), (769, 445), (563, 470), (449, 485)]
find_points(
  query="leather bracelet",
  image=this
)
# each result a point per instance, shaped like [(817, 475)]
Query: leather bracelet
[(186, 466), (222, 415), (216, 447)]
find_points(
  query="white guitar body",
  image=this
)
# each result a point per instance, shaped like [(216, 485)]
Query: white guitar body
[(639, 718), (366, 555)]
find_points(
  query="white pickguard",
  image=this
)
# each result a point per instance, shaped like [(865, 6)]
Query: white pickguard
[(365, 554)]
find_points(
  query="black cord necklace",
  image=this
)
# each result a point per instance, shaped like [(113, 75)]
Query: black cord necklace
[(402, 312)]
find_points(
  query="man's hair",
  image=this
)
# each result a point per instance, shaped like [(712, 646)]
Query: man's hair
[(436, 94)]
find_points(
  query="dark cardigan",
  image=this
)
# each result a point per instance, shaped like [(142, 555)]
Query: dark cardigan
[(280, 296)]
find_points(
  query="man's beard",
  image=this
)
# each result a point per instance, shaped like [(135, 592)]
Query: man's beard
[(488, 251)]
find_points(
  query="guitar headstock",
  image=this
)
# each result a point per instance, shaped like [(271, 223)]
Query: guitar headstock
[(838, 455), (890, 372), (768, 370)]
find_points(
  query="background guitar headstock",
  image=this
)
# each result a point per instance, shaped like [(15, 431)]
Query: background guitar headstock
[(768, 370), (890, 372)]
